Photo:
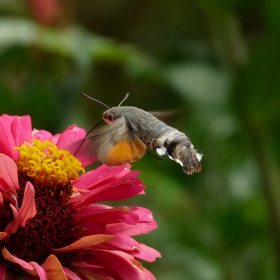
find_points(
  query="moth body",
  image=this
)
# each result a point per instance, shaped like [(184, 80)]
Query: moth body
[(130, 132), (135, 124)]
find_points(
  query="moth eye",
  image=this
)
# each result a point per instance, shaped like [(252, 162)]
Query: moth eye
[(108, 117)]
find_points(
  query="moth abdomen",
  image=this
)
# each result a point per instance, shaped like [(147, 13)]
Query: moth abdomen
[(180, 149)]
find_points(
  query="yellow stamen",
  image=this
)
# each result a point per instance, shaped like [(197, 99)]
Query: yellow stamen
[(46, 164)]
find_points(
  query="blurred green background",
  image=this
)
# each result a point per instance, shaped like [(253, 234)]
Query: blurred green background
[(216, 62)]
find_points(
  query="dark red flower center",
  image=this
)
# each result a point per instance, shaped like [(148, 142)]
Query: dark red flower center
[(52, 226)]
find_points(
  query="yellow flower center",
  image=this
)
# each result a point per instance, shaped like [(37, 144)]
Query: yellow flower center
[(46, 164)]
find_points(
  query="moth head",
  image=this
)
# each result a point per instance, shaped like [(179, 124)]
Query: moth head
[(110, 115)]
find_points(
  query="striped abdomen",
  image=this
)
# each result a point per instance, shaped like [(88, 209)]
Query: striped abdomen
[(168, 140)]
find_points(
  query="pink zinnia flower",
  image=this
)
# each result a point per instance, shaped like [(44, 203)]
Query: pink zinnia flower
[(51, 224)]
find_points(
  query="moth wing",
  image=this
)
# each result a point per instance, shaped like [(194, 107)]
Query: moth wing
[(116, 144), (167, 116)]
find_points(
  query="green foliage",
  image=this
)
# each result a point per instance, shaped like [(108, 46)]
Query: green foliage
[(218, 63)]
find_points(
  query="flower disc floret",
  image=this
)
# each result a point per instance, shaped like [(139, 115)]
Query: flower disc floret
[(47, 164)]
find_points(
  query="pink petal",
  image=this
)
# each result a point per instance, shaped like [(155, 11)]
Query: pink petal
[(148, 275), (97, 207), (40, 271), (3, 268), (88, 259), (85, 242), (2, 235), (42, 135), (90, 269), (124, 243), (70, 135), (114, 191), (21, 130), (3, 185), (101, 176), (130, 230), (82, 149), (12, 226), (8, 171), (70, 274), (55, 138), (32, 268), (122, 263), (93, 227), (144, 214), (113, 215), (53, 268), (146, 253), (9, 257), (7, 141), (28, 207), (12, 196), (8, 119), (15, 130), (72, 139)]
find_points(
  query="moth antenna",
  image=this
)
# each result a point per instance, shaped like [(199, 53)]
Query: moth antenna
[(91, 98), (126, 96), (86, 137)]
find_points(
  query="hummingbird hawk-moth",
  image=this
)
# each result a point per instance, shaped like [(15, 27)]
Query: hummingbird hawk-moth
[(131, 131)]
